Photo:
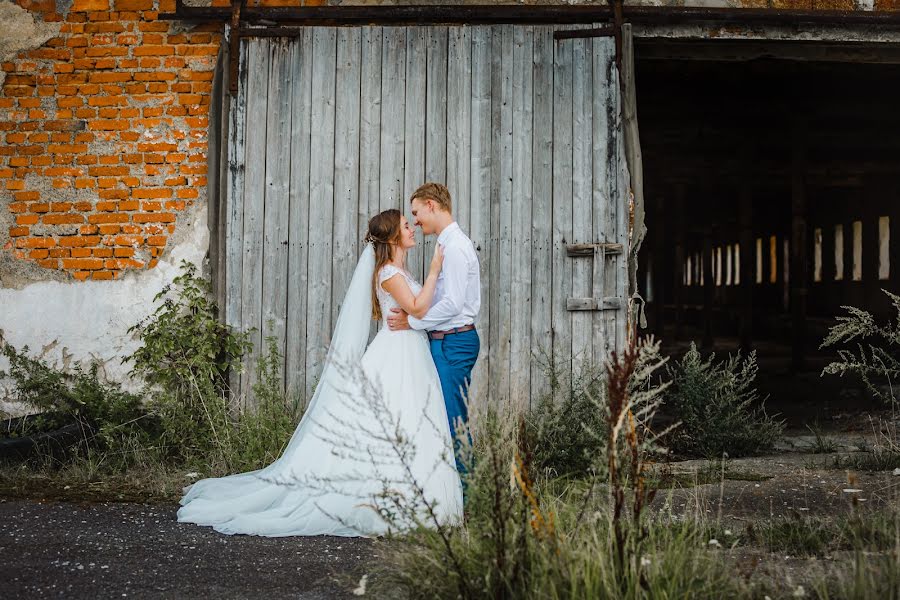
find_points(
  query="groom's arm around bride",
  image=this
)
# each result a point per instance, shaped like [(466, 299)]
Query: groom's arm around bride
[(450, 322)]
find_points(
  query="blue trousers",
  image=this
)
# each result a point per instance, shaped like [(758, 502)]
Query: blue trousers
[(454, 356)]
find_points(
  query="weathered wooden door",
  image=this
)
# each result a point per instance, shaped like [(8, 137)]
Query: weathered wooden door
[(335, 124)]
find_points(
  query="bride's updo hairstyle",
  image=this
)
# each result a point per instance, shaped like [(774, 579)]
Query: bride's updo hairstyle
[(383, 234)]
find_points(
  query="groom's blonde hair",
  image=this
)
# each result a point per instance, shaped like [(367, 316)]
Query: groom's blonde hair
[(433, 191)]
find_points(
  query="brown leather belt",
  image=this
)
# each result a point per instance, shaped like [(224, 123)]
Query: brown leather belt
[(439, 335)]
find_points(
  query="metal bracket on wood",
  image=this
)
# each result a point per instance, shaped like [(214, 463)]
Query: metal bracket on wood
[(598, 252), (585, 250), (609, 303)]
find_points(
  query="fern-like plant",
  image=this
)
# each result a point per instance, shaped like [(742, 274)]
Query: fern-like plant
[(876, 359)]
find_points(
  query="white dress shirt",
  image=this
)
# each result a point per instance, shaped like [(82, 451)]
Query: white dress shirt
[(457, 297)]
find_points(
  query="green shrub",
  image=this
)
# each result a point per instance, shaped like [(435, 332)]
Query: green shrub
[(185, 357), (261, 433), (719, 408), (567, 428), (877, 362), (110, 419)]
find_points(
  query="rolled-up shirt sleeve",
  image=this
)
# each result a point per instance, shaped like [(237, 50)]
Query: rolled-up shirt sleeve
[(455, 271)]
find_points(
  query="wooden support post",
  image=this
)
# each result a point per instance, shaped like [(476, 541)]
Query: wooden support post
[(872, 191), (745, 268), (659, 263), (709, 286), (799, 267), (680, 254), (849, 295), (892, 201)]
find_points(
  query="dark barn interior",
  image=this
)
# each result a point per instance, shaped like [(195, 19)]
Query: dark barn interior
[(771, 178)]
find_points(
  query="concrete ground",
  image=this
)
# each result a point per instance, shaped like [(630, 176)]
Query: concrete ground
[(114, 550)]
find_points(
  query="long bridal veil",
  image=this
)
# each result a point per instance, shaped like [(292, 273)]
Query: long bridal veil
[(348, 341), (270, 501)]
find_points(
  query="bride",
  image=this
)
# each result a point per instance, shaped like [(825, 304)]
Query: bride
[(373, 452)]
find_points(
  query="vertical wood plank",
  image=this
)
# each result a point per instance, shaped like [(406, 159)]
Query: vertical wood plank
[(497, 368), (582, 166), (542, 218), (621, 196), (346, 165), (234, 240), (562, 210), (459, 98), (298, 219), (480, 196), (277, 203), (502, 291), (520, 204), (393, 116), (298, 237), (254, 191), (369, 127), (414, 138), (436, 115), (321, 208), (602, 183)]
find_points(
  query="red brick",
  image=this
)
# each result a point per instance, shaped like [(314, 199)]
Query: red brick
[(77, 242), (125, 240), (154, 218), (63, 219), (109, 229), (18, 231), (151, 193), (40, 242), (108, 218), (113, 77), (154, 50), (87, 264)]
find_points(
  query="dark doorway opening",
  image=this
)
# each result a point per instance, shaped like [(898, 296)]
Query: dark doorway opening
[(772, 184)]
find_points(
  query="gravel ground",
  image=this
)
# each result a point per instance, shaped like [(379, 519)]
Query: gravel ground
[(112, 550)]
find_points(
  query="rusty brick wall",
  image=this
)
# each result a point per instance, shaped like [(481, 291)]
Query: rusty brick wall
[(104, 136)]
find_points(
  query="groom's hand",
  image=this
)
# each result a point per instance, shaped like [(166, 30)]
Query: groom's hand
[(399, 320)]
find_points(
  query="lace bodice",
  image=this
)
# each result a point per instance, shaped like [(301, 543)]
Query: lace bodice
[(385, 300)]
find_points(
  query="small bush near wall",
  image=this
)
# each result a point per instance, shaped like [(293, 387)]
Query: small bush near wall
[(719, 408), (108, 419), (184, 418)]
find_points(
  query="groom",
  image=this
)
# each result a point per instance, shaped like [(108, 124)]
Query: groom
[(450, 322)]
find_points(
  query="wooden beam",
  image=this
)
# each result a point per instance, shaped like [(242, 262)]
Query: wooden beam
[(799, 267), (746, 267)]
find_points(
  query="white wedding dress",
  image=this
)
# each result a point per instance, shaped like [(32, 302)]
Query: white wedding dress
[(373, 452)]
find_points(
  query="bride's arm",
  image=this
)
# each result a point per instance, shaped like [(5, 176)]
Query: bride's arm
[(416, 306)]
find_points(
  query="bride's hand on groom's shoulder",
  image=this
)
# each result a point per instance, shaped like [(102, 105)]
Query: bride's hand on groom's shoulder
[(437, 261)]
